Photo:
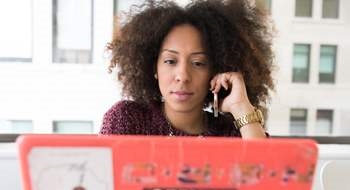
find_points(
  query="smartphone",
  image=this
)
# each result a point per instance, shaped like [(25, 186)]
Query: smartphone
[(219, 96), (216, 105)]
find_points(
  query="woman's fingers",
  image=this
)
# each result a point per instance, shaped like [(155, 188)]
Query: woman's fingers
[(213, 82), (221, 80), (217, 86), (225, 80)]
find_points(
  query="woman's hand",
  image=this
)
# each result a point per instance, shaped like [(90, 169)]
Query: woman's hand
[(237, 102)]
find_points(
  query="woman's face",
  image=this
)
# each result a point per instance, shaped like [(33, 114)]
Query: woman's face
[(183, 69)]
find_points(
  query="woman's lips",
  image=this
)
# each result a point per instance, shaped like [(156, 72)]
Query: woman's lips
[(182, 95)]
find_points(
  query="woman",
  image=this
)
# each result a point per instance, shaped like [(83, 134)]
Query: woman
[(173, 61)]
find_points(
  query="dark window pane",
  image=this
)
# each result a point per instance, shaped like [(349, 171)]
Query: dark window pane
[(264, 5), (298, 121), (16, 126), (301, 59), (324, 122), (327, 64), (73, 127), (303, 8), (330, 9)]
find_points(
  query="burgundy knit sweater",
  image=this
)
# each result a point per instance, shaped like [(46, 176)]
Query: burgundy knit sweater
[(131, 118)]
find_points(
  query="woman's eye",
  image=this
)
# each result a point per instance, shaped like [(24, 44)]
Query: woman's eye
[(170, 61), (199, 64)]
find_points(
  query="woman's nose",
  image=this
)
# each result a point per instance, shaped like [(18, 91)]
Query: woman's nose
[(183, 73)]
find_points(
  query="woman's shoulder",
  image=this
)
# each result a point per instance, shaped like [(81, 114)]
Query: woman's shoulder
[(128, 108), (125, 117), (127, 105)]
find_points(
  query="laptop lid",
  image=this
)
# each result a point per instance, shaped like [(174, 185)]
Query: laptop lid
[(84, 162)]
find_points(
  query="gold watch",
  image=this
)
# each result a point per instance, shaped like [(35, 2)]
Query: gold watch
[(253, 117)]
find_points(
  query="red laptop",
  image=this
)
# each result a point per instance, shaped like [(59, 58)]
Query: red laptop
[(89, 162)]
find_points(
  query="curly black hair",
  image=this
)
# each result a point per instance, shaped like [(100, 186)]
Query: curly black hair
[(236, 35)]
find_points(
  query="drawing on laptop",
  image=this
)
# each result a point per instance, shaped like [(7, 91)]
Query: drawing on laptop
[(71, 168)]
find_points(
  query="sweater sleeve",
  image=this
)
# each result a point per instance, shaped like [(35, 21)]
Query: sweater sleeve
[(121, 119)]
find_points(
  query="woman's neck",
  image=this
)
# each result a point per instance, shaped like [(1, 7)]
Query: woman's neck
[(192, 122)]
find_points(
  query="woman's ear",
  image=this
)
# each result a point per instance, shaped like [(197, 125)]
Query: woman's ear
[(156, 76)]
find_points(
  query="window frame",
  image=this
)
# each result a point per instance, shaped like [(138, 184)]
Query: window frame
[(56, 122), (13, 59), (311, 10), (294, 78), (298, 119), (13, 125), (318, 112), (265, 5), (334, 65), (323, 11), (55, 49)]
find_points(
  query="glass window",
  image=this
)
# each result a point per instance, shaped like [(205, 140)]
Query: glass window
[(298, 118), (73, 127), (324, 122), (122, 6), (303, 8), (301, 59), (264, 5), (16, 32), (327, 65), (16, 126), (72, 31), (330, 9)]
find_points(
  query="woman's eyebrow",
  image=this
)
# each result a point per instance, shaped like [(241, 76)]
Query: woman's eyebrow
[(176, 52), (200, 52), (171, 51)]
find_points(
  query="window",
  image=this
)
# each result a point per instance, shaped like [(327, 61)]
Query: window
[(298, 118), (324, 122), (16, 126), (73, 127), (16, 32), (264, 5), (72, 31), (303, 8), (301, 59), (330, 9), (121, 6), (327, 65)]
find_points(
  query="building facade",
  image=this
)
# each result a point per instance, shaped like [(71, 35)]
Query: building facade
[(312, 57)]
